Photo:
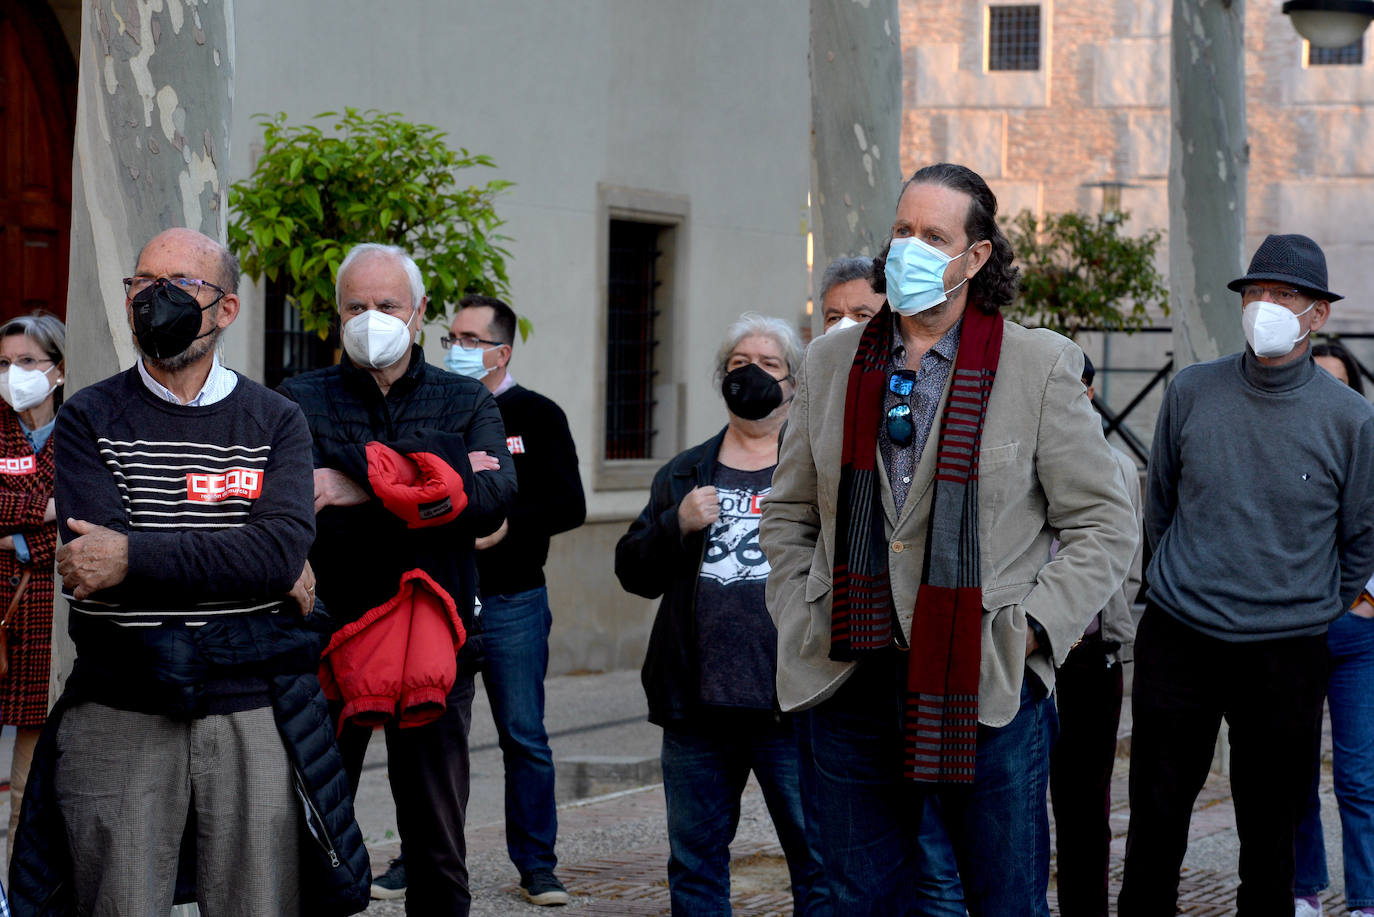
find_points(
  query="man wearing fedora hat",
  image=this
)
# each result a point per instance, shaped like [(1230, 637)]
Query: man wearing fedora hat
[(1260, 514)]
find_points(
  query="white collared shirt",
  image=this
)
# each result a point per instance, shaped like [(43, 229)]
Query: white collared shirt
[(218, 384), (506, 383)]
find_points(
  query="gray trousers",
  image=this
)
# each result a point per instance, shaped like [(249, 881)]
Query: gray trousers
[(126, 783)]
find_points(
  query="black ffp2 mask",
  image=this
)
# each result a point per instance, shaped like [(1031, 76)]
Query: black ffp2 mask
[(750, 392), (166, 320)]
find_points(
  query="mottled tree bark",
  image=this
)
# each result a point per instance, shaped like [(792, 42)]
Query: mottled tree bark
[(856, 125), (154, 99), (1208, 159)]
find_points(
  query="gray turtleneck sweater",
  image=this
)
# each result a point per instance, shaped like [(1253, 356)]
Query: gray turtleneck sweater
[(1260, 499)]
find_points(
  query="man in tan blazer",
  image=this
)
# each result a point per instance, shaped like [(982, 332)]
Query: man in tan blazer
[(962, 711)]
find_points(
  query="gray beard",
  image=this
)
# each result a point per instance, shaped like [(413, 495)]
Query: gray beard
[(198, 349)]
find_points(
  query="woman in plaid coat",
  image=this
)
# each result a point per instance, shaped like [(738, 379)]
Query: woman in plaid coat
[(31, 374)]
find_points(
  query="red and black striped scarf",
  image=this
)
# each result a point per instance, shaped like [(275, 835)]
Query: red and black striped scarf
[(940, 723)]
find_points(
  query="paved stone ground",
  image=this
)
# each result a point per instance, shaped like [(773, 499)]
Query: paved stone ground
[(613, 850), (630, 881)]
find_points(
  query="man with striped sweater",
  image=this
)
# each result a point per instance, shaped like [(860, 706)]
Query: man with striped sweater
[(186, 504)]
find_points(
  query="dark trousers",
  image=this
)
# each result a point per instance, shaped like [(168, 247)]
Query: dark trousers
[(515, 635), (428, 768), (704, 774), (876, 846), (1270, 692), (1088, 687)]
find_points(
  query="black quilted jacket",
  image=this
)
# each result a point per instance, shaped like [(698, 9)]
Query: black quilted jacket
[(335, 873), (361, 551)]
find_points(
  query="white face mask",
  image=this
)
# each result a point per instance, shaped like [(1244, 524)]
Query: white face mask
[(1270, 329), (25, 388), (844, 322), (377, 340)]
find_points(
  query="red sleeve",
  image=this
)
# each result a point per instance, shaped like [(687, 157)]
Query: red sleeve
[(42, 543), (419, 487), (22, 511)]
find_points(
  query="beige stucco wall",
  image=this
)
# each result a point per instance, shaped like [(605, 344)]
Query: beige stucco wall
[(707, 102)]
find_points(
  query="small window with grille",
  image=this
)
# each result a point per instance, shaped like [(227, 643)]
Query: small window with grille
[(1351, 55), (632, 342), (289, 349), (1014, 37)]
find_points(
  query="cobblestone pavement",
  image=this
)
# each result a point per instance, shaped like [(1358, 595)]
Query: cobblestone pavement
[(614, 850), (628, 880)]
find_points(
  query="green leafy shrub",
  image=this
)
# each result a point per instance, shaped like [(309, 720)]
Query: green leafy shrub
[(375, 178), (1078, 272)]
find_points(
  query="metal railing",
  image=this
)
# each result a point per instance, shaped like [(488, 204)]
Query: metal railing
[(1114, 422)]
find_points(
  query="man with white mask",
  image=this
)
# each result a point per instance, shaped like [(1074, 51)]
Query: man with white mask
[(847, 294), (411, 467), (1260, 514)]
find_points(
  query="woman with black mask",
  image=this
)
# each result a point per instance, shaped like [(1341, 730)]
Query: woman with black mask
[(712, 659)]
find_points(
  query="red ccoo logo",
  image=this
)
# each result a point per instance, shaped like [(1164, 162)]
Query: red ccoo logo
[(25, 464), (212, 488)]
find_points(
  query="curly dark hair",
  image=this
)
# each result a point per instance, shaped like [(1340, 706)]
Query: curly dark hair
[(996, 285)]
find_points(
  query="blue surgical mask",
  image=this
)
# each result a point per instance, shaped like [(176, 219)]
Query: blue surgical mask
[(915, 273), (466, 362)]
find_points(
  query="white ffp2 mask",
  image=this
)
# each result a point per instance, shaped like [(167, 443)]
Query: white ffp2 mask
[(25, 388), (376, 340), (1270, 329)]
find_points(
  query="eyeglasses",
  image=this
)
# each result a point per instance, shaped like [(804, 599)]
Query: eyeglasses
[(466, 341), (900, 427), (1284, 296), (189, 285), (22, 363)]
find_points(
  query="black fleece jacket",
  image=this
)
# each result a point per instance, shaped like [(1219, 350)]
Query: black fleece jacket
[(655, 559), (550, 499)]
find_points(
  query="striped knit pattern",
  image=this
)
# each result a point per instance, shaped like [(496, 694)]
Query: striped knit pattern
[(169, 485), (862, 617), (940, 727)]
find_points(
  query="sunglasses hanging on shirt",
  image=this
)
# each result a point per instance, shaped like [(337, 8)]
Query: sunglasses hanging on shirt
[(900, 426)]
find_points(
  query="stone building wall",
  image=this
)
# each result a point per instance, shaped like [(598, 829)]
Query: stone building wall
[(1097, 111)]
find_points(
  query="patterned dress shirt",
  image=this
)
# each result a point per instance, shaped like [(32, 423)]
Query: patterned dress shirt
[(936, 363)]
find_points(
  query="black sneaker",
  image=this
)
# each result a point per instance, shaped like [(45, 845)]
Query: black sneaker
[(391, 884), (543, 889)]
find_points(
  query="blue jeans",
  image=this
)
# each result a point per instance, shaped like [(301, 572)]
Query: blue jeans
[(704, 774), (878, 825), (515, 636), (1350, 696)]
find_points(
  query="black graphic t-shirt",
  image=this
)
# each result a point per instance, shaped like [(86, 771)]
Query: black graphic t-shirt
[(736, 639)]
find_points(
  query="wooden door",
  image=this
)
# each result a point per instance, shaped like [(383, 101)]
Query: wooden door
[(37, 121)]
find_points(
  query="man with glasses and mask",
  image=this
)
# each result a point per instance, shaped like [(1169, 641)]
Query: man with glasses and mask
[(515, 617), (192, 728), (1260, 512), (933, 455), (411, 467)]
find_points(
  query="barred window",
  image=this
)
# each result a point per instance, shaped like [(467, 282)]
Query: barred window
[(631, 338), (1350, 55), (289, 349), (1014, 37)]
